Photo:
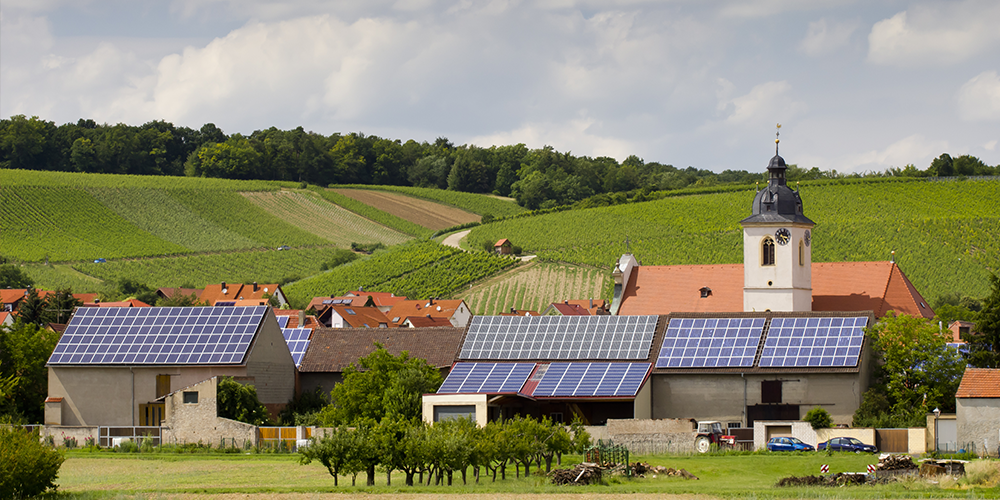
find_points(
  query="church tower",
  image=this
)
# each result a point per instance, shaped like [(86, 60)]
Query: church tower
[(777, 243)]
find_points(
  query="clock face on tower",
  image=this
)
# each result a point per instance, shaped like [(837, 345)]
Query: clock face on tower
[(808, 237), (782, 235)]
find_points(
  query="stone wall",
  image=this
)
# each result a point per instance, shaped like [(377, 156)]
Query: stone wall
[(198, 422), (648, 436)]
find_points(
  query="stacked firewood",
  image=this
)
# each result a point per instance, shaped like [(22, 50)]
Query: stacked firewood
[(585, 473), (641, 469), (896, 462)]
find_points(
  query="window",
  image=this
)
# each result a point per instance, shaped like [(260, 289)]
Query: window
[(770, 391), (557, 417), (191, 397), (452, 412), (705, 292), (767, 252), (802, 253)]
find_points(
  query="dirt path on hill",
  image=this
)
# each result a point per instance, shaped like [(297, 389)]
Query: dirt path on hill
[(453, 239)]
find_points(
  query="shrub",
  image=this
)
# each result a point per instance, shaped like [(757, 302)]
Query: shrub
[(27, 467), (819, 418)]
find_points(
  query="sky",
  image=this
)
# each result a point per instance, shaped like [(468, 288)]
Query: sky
[(856, 85)]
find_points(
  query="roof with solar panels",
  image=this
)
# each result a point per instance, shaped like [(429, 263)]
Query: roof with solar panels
[(584, 357)]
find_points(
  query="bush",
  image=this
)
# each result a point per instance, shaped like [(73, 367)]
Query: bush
[(367, 248), (27, 467), (819, 418)]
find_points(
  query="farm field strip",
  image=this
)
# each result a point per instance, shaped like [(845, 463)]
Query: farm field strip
[(155, 211), (479, 204), (443, 277), (43, 178), (369, 272), (265, 266), (535, 286), (324, 219), (429, 214), (372, 213), (64, 224)]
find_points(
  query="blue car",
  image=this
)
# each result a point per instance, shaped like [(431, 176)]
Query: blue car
[(847, 444), (787, 444)]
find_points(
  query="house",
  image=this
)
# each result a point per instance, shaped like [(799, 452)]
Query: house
[(504, 247), (383, 301), (342, 316), (296, 318), (120, 303), (230, 294), (425, 322), (6, 318), (520, 312), (455, 311), (112, 366), (978, 410), (961, 330), (334, 349), (565, 308)]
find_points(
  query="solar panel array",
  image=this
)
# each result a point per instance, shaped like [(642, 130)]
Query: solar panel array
[(282, 321), (819, 342), (158, 335), (559, 337), (592, 379), (710, 342), (486, 378), (298, 342)]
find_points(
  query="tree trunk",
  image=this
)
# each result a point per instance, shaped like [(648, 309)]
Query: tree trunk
[(527, 467), (388, 478), (548, 463), (559, 459), (371, 475), (449, 476), (409, 478)]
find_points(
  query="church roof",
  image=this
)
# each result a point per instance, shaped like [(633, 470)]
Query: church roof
[(837, 286), (776, 203)]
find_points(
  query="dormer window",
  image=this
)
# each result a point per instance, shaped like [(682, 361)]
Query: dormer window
[(705, 292), (767, 252)]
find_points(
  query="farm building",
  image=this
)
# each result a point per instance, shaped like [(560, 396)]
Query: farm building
[(503, 247), (113, 366), (978, 410), (768, 339), (332, 350)]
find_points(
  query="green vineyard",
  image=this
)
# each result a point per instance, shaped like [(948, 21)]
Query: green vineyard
[(475, 203)]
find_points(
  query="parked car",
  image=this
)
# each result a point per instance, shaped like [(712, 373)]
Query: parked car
[(846, 444), (284, 247), (787, 444), (100, 261)]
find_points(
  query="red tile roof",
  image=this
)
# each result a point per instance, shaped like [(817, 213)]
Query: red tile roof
[(333, 349), (381, 299), (235, 291), (12, 295), (361, 317), (170, 292), (436, 309), (837, 286), (122, 303), (979, 383), (5, 316), (426, 322), (502, 242), (567, 309), (293, 318)]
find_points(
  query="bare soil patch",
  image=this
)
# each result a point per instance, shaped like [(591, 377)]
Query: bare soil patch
[(426, 213)]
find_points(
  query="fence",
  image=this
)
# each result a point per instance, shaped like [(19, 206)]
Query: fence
[(283, 438), (115, 435), (609, 455)]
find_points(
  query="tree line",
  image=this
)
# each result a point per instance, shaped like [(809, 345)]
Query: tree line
[(536, 178)]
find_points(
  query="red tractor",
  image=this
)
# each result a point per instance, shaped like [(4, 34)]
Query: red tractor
[(712, 432)]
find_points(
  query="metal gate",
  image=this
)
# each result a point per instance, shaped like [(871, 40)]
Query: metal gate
[(892, 440), (282, 438)]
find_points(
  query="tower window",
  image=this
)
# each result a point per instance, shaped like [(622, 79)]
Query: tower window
[(767, 252), (802, 254)]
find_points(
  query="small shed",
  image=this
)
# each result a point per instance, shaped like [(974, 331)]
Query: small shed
[(504, 247)]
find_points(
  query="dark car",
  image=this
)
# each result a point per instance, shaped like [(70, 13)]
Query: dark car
[(847, 444), (284, 247), (787, 444), (100, 261)]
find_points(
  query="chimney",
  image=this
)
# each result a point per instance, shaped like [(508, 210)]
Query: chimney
[(591, 302), (302, 319), (255, 286), (431, 301), (513, 310)]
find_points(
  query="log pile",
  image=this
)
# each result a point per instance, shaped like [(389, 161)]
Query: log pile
[(830, 480), (895, 462), (641, 469), (585, 473)]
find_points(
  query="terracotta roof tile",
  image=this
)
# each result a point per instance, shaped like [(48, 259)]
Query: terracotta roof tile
[(979, 383), (425, 322), (837, 286), (333, 349), (381, 299), (361, 317), (436, 309), (293, 318), (236, 291), (570, 309)]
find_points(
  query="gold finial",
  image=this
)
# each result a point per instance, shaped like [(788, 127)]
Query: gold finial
[(777, 133)]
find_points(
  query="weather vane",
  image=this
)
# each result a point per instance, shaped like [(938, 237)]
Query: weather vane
[(776, 141), (627, 249)]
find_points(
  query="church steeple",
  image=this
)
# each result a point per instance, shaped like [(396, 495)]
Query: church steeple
[(777, 258)]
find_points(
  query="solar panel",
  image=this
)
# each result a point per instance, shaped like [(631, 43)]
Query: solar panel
[(490, 378), (158, 335), (282, 321), (592, 379), (820, 342), (298, 342), (559, 337), (710, 342)]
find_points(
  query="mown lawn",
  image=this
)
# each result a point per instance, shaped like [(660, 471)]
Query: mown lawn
[(107, 475)]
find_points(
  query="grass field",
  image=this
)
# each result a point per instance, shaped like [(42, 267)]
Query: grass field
[(535, 286), (104, 475)]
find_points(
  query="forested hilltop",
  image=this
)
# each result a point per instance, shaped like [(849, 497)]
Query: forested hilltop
[(536, 178)]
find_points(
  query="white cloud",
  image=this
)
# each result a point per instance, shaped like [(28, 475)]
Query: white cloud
[(768, 101), (931, 35), (915, 149), (768, 8), (572, 135), (979, 98), (991, 145), (824, 37)]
